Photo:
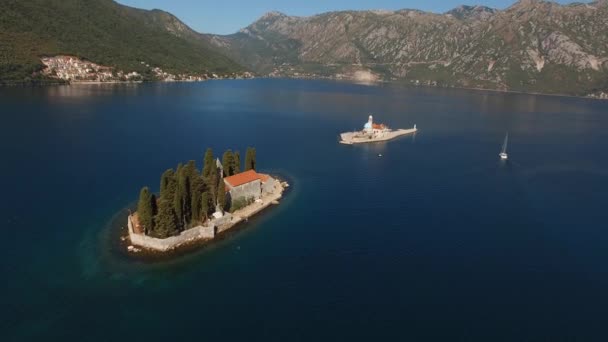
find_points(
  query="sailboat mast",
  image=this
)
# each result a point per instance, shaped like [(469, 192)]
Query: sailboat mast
[(504, 145)]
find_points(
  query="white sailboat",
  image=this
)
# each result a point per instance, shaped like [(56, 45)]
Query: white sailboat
[(503, 154)]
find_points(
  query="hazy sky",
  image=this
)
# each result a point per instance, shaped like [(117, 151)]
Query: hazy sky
[(229, 16)]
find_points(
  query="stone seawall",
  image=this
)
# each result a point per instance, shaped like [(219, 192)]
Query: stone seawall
[(191, 235)]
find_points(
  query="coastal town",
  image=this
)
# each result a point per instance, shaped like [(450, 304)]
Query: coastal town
[(74, 69), (197, 207)]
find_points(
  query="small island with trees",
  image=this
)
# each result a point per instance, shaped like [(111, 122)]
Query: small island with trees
[(195, 206)]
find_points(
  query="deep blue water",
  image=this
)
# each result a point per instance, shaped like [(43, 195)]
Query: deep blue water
[(435, 241)]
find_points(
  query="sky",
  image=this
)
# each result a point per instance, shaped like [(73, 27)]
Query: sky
[(225, 17)]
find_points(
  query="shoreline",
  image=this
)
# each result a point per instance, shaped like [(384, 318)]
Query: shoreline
[(193, 239), (405, 83), (320, 78)]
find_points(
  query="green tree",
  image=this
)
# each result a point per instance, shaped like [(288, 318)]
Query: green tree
[(195, 200), (167, 185), (250, 161), (166, 221), (197, 186), (154, 205), (237, 162), (208, 163), (145, 210), (178, 199), (228, 163), (189, 173), (205, 205), (221, 194), (211, 182)]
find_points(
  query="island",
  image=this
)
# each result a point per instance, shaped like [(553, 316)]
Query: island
[(373, 132), (197, 206)]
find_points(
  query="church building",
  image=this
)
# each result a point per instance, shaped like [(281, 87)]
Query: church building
[(248, 185)]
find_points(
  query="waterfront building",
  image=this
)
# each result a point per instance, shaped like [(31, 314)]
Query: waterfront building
[(371, 127), (248, 185)]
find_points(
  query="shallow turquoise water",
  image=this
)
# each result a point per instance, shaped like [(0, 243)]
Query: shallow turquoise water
[(437, 240)]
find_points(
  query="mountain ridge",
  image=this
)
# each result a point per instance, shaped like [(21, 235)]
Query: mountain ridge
[(531, 46)]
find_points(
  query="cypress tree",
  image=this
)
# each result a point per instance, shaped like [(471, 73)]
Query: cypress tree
[(208, 163), (145, 210), (212, 182), (254, 162), (189, 173), (221, 194), (154, 205), (167, 181), (250, 162), (248, 159), (166, 220), (228, 163), (178, 199), (197, 186), (205, 205), (237, 162)]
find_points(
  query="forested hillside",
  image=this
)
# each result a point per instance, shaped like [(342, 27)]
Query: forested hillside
[(103, 32)]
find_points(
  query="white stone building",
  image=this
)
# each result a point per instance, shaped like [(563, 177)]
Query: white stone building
[(248, 185)]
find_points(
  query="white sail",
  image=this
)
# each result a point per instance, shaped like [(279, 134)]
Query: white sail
[(503, 153), (504, 144)]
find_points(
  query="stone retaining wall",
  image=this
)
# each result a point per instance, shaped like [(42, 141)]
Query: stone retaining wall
[(194, 234)]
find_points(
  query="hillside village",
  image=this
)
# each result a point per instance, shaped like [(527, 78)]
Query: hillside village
[(74, 69)]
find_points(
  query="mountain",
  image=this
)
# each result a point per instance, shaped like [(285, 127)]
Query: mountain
[(472, 12), (102, 32), (532, 46)]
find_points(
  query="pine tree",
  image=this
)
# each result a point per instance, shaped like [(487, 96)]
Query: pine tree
[(145, 210), (166, 221), (228, 163), (208, 163), (254, 162), (237, 162)]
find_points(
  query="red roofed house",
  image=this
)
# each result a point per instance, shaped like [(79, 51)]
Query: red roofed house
[(248, 185)]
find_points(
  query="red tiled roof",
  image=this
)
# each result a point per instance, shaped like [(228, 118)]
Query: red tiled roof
[(379, 126), (245, 177), (263, 177)]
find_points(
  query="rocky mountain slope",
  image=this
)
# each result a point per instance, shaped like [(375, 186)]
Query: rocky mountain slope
[(102, 32), (533, 46)]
